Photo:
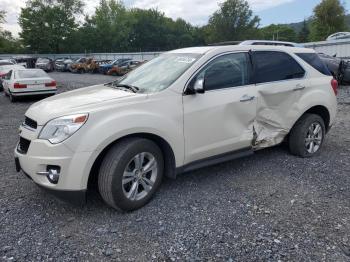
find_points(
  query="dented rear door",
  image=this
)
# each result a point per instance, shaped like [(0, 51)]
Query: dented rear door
[(280, 83)]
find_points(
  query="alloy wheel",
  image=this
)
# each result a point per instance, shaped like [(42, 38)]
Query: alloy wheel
[(314, 138), (139, 176)]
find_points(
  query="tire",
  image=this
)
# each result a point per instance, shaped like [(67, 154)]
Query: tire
[(301, 135), (116, 166), (12, 98)]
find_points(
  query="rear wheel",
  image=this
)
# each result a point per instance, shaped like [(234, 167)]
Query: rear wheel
[(131, 173), (307, 136), (12, 98)]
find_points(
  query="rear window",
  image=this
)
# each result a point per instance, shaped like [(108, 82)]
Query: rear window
[(271, 66), (315, 61), (31, 74)]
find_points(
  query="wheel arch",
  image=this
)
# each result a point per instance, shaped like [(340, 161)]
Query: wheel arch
[(168, 154), (323, 112)]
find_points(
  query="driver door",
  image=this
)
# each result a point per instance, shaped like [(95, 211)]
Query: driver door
[(221, 119)]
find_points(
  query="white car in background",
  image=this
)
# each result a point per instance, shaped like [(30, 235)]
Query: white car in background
[(4, 69), (339, 35), (25, 82)]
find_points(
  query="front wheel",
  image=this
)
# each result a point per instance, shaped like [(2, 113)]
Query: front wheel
[(307, 136), (131, 173)]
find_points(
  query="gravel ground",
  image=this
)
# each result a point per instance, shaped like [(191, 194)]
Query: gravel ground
[(268, 207)]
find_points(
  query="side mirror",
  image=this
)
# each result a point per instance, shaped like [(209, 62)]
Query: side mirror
[(199, 86)]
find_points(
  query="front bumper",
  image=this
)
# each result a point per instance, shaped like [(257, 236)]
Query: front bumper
[(41, 154), (76, 197)]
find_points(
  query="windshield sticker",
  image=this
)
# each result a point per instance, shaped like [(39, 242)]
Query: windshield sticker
[(184, 59)]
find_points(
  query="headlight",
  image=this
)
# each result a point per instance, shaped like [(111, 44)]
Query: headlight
[(59, 129)]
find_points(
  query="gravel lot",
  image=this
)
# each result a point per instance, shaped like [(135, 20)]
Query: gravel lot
[(271, 206)]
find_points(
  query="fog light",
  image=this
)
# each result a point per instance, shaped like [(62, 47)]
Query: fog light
[(53, 174)]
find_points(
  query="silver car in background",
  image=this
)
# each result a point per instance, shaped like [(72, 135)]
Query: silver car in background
[(45, 64)]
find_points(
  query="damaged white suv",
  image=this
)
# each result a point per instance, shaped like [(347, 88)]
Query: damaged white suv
[(183, 110)]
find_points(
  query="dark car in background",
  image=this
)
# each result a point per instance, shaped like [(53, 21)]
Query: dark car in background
[(26, 61), (45, 64), (339, 68), (106, 67)]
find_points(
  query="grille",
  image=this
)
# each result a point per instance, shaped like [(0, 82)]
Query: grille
[(23, 145), (30, 122)]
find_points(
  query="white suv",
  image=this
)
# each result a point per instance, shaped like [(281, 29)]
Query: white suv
[(183, 110)]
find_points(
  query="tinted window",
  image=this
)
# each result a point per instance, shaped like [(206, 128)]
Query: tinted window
[(315, 61), (275, 66), (226, 71)]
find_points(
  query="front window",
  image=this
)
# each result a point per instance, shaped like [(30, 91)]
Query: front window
[(226, 71), (30, 74), (159, 73)]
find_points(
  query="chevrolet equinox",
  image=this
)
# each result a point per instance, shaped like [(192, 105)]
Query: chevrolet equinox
[(183, 110)]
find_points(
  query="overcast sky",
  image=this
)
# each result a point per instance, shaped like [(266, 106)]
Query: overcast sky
[(195, 11)]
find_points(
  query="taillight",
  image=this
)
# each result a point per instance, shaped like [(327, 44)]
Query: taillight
[(51, 84), (334, 84), (18, 85)]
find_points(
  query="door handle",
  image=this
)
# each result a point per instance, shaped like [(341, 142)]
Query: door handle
[(299, 87), (246, 98)]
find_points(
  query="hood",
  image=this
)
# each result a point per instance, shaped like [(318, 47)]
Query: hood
[(83, 100)]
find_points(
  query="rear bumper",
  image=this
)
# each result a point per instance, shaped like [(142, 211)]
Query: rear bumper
[(32, 93)]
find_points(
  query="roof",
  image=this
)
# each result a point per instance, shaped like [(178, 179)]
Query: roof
[(228, 48), (269, 42)]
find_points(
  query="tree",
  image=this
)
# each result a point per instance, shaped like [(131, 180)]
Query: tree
[(278, 32), (233, 21), (328, 18), (7, 43), (46, 24), (304, 33)]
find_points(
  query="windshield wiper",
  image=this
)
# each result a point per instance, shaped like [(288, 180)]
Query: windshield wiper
[(134, 89)]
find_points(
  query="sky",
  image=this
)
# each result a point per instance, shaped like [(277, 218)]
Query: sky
[(195, 11)]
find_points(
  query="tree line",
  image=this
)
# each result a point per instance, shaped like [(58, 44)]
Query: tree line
[(60, 26)]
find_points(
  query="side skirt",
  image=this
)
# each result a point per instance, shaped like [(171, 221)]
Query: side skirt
[(215, 160)]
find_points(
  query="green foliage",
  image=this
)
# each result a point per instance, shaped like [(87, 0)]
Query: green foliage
[(329, 18), (7, 43), (50, 26), (113, 28), (233, 21), (304, 33), (278, 33), (46, 24)]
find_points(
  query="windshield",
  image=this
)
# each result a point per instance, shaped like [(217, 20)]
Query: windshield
[(160, 72), (31, 74)]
